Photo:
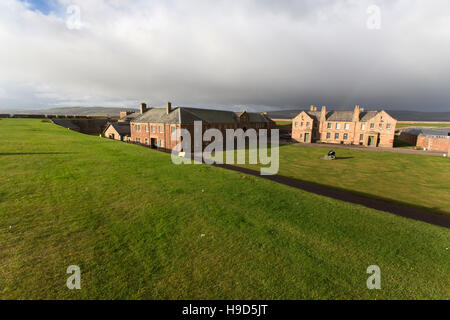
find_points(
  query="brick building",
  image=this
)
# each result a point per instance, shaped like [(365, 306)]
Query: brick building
[(428, 139), (154, 126), (368, 128)]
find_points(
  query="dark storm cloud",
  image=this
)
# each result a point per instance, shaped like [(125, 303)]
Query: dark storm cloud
[(274, 53)]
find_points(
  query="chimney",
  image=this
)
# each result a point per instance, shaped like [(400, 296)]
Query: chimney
[(168, 107), (323, 113), (311, 108), (143, 107), (356, 114)]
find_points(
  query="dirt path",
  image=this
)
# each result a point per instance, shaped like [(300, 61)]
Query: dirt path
[(378, 204)]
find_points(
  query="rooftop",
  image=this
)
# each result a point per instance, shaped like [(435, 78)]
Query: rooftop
[(183, 115)]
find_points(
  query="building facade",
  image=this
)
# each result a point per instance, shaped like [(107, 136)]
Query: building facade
[(154, 126), (359, 127)]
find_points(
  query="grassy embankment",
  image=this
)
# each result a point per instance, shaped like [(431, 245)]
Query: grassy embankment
[(140, 227)]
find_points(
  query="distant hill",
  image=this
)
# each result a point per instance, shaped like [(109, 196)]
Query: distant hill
[(278, 114), (399, 115), (79, 111)]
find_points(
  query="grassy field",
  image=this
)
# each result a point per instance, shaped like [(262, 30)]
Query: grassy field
[(140, 227), (424, 125), (283, 123), (422, 181)]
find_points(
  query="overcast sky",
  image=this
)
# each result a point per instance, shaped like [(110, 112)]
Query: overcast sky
[(225, 52)]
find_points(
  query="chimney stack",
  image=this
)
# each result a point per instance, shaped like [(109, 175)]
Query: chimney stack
[(143, 107), (356, 114), (168, 107), (323, 113), (311, 108)]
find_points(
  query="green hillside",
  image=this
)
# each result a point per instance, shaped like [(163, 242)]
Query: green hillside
[(140, 227)]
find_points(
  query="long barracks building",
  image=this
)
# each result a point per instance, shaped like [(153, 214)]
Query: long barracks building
[(154, 126)]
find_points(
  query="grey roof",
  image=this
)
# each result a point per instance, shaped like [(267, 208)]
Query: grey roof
[(189, 115), (130, 116), (122, 128), (428, 132), (342, 115), (314, 114), (367, 115)]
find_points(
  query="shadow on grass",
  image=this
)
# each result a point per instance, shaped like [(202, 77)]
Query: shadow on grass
[(32, 153)]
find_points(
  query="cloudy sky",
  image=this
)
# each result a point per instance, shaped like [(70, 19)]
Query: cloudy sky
[(393, 54)]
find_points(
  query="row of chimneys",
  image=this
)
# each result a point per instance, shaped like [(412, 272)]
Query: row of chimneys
[(313, 108), (323, 112), (143, 107)]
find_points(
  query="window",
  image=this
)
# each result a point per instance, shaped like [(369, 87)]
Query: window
[(345, 136), (361, 138), (138, 140), (328, 135), (301, 135), (329, 125), (296, 124), (146, 128), (336, 136), (138, 128), (388, 126), (153, 129), (381, 126), (308, 124), (363, 126), (146, 141), (347, 126), (172, 129), (301, 124), (372, 125), (338, 126), (161, 129)]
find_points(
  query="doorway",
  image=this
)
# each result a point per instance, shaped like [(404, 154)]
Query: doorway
[(371, 141), (153, 143), (306, 137)]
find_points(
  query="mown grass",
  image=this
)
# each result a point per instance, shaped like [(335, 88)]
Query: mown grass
[(140, 227), (419, 180), (424, 125), (286, 123)]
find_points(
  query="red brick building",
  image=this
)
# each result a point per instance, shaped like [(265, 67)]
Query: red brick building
[(154, 126), (368, 128), (436, 142)]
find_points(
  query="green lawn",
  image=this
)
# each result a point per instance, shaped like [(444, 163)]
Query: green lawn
[(283, 123), (425, 125), (422, 181), (134, 222)]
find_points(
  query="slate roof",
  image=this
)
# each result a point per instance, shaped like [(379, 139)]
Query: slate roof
[(367, 115), (130, 116), (428, 132), (185, 115), (342, 115)]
